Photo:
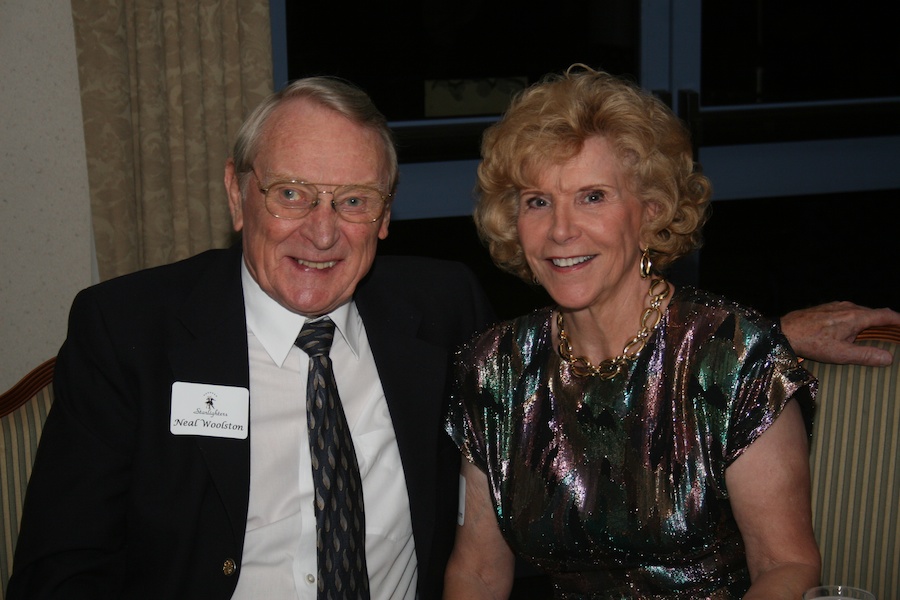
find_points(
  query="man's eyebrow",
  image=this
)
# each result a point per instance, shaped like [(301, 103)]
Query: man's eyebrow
[(275, 177)]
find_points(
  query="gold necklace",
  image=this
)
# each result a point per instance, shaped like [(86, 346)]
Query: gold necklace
[(611, 367)]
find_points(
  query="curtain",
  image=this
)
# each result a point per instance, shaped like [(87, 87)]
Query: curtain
[(165, 84)]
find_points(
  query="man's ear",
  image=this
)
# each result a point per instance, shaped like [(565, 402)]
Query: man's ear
[(385, 221), (235, 197)]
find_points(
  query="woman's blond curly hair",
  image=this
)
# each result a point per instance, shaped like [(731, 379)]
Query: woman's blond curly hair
[(548, 124)]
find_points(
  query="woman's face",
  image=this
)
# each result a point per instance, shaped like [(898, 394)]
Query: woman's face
[(580, 229)]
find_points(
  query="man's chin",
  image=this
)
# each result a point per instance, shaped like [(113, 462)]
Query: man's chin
[(314, 307)]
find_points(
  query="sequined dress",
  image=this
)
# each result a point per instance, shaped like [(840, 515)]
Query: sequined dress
[(616, 488)]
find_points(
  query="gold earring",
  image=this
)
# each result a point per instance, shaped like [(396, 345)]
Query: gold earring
[(646, 263)]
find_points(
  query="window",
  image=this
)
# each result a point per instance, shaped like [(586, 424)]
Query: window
[(770, 51), (441, 71)]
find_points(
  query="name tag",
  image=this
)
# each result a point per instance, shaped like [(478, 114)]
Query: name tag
[(210, 410)]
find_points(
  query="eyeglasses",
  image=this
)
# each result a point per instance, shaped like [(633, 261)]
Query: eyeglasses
[(292, 199)]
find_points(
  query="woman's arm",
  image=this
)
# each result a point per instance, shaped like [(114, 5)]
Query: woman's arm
[(482, 564), (770, 495)]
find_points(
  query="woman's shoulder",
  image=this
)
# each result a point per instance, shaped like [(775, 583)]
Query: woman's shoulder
[(691, 304), (517, 332)]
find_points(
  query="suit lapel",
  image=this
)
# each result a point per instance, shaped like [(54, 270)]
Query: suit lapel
[(412, 373), (213, 350)]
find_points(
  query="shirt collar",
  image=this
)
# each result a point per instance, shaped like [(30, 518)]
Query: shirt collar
[(277, 328)]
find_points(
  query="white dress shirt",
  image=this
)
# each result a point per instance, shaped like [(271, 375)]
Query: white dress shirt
[(279, 559)]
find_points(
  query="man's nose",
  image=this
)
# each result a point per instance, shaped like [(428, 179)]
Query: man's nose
[(320, 226)]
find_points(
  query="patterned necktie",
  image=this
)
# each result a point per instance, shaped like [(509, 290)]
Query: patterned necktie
[(340, 518)]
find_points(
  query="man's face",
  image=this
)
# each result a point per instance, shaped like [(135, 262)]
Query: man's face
[(310, 265)]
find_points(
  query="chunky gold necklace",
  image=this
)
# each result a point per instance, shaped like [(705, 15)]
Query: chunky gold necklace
[(611, 367)]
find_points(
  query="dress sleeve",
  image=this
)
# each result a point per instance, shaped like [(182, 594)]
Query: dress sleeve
[(465, 420), (768, 375)]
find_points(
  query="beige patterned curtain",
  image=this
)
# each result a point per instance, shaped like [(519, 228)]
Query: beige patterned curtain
[(164, 86)]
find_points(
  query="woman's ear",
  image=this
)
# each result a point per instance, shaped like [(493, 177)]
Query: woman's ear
[(651, 211), (650, 226)]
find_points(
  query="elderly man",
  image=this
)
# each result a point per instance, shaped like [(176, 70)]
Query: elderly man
[(186, 456), (142, 488)]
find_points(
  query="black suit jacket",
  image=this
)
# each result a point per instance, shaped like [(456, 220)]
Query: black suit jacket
[(118, 507)]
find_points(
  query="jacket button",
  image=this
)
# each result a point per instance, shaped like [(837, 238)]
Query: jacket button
[(228, 567)]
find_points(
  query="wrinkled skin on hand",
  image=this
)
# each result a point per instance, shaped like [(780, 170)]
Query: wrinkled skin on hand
[(825, 333)]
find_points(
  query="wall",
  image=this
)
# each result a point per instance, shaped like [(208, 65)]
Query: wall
[(45, 236)]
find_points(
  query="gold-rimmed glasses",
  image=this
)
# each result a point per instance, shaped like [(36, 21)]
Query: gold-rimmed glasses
[(294, 199)]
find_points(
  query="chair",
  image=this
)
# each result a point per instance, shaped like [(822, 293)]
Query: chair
[(23, 410), (855, 469)]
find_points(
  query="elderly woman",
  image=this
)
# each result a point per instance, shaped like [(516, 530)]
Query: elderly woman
[(636, 439)]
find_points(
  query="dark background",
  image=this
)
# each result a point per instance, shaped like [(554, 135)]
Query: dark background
[(753, 51), (390, 48)]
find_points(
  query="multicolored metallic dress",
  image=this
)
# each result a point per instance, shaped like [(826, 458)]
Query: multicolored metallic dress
[(616, 488)]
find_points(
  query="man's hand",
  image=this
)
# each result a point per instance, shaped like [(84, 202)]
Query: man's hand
[(825, 333)]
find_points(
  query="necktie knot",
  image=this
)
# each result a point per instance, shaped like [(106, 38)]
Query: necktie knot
[(316, 336)]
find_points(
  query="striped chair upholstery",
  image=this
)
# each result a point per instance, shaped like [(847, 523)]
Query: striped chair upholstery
[(23, 410), (855, 468)]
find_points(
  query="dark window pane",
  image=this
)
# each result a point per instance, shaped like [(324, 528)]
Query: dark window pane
[(391, 49), (771, 51)]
